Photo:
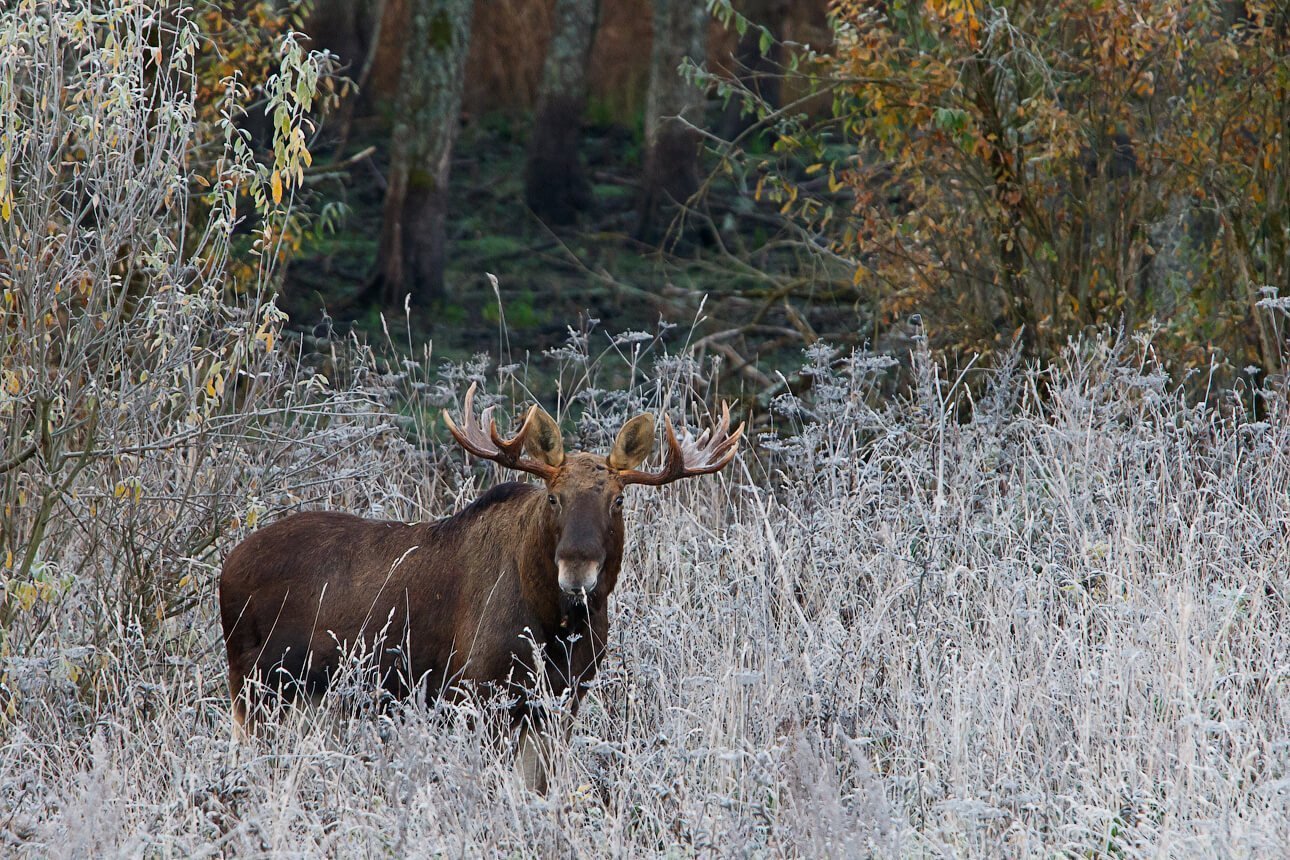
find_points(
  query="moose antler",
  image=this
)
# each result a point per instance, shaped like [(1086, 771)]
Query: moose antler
[(490, 445), (688, 456)]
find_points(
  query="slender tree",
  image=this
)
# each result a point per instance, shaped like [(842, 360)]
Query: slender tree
[(758, 70), (427, 108), (555, 181), (352, 31), (338, 25), (671, 145)]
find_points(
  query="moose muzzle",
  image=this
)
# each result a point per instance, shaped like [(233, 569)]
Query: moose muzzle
[(578, 575)]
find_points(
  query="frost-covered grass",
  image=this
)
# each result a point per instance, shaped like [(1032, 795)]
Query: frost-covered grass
[(1051, 622)]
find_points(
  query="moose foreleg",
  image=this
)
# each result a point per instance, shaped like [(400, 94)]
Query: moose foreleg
[(532, 754)]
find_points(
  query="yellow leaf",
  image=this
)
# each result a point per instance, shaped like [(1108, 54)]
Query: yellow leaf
[(25, 593), (265, 334), (215, 385), (275, 183)]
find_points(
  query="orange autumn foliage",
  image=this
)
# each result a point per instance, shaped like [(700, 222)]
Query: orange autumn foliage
[(1047, 167)]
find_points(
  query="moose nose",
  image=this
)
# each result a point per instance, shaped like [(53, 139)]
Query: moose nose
[(578, 574)]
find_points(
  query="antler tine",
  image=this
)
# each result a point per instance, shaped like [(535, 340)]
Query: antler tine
[(464, 434), (488, 444), (712, 438), (674, 465), (475, 426), (513, 447), (718, 452), (468, 408), (688, 456)]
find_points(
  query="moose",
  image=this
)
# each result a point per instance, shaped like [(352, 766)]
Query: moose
[(513, 588)]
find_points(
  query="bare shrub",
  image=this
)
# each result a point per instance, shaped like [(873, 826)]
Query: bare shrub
[(145, 401)]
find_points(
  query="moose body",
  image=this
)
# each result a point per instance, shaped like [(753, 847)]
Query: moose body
[(513, 588), (443, 605)]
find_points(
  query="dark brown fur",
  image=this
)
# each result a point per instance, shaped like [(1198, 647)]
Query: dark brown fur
[(511, 591), (458, 600)]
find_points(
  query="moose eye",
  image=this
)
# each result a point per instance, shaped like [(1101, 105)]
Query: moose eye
[(553, 500), (618, 502)]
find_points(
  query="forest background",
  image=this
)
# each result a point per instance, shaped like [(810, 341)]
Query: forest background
[(1000, 289), (1034, 171)]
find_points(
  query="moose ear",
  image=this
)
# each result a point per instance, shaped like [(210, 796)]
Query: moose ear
[(634, 443), (543, 440)]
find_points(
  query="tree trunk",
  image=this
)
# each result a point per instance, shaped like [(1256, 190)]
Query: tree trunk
[(759, 73), (671, 173), (359, 67), (555, 183), (337, 25), (427, 109)]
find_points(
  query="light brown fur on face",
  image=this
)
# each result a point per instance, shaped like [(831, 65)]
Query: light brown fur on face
[(451, 605)]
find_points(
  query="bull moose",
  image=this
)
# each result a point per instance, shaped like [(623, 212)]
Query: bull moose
[(512, 588)]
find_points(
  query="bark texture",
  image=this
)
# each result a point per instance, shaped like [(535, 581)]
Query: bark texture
[(671, 173), (556, 187), (427, 108)]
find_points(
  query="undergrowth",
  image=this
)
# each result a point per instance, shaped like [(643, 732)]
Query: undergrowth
[(1045, 620)]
